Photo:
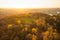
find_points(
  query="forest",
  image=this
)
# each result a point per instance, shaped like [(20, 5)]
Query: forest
[(30, 26)]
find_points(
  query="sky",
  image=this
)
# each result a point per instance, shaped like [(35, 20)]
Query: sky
[(29, 3)]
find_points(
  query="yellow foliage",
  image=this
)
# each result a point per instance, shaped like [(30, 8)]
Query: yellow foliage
[(45, 35), (48, 34), (18, 21), (40, 21), (34, 30), (55, 34), (34, 37), (10, 25), (25, 29)]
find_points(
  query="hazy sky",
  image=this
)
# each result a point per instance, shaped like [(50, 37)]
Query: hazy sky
[(29, 3)]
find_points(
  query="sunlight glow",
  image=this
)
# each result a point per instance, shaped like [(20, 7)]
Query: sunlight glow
[(29, 3)]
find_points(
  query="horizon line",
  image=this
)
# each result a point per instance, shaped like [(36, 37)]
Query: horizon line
[(24, 8)]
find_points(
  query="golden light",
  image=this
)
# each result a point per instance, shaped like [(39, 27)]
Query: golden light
[(29, 3)]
